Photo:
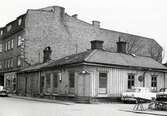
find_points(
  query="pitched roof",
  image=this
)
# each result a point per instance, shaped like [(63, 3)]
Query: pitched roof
[(101, 57), (109, 58)]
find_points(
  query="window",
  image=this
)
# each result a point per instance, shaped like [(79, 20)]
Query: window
[(0, 64), (19, 61), (154, 81), (11, 62), (12, 42), (71, 79), (8, 45), (19, 41), (9, 28), (47, 80), (131, 81), (102, 80), (55, 80), (0, 47), (1, 32), (19, 21), (8, 63)]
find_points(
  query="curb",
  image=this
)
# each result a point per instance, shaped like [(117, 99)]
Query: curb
[(42, 100)]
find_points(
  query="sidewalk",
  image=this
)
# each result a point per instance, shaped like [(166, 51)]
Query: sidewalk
[(42, 100)]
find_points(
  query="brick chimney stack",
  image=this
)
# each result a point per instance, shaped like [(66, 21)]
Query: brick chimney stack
[(47, 54), (97, 44), (121, 46)]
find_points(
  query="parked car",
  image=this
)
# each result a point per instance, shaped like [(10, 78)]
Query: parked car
[(138, 92), (162, 94), (3, 91)]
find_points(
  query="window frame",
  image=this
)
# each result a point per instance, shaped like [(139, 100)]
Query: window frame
[(154, 81), (131, 80)]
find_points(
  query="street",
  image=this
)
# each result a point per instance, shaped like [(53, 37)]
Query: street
[(20, 107)]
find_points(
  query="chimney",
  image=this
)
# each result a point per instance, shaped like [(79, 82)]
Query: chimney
[(97, 44), (75, 16), (47, 54), (121, 46), (96, 23)]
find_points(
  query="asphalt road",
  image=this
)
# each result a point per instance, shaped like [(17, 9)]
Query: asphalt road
[(20, 107)]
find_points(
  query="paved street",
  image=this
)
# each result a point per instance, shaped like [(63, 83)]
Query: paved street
[(20, 107)]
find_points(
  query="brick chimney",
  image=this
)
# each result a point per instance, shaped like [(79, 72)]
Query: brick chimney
[(97, 44), (96, 23), (47, 54), (121, 46)]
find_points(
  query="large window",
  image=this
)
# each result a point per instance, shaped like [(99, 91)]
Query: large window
[(71, 79), (55, 80), (154, 81), (131, 81), (47, 80)]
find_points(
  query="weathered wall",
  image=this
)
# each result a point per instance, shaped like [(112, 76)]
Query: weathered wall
[(67, 35)]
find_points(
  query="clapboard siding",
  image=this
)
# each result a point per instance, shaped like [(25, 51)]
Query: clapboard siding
[(118, 80)]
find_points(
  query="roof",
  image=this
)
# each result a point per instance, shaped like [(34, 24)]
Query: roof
[(109, 58)]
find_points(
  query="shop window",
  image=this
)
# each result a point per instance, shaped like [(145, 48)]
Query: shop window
[(47, 80), (131, 81), (55, 80), (71, 79)]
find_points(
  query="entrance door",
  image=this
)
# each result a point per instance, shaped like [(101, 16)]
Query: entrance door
[(41, 84), (102, 83)]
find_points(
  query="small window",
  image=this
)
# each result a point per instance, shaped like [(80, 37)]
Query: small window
[(71, 79), (131, 81), (19, 41), (8, 46), (154, 81), (55, 80), (9, 28), (19, 21), (12, 42), (1, 32), (19, 61), (0, 47), (47, 80), (0, 64), (11, 62)]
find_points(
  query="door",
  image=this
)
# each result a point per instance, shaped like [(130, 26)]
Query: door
[(41, 84), (102, 83)]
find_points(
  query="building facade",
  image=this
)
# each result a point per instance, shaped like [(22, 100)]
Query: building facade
[(92, 74), (22, 41)]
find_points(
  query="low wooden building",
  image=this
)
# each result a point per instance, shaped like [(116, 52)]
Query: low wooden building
[(95, 73)]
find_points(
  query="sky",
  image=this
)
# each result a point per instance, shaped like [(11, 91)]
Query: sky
[(146, 18)]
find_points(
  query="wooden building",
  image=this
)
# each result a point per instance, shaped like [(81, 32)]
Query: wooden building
[(95, 73)]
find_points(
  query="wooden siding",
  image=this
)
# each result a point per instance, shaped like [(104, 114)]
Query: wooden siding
[(118, 80)]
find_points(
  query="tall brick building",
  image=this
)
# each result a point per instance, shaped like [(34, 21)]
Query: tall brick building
[(22, 41)]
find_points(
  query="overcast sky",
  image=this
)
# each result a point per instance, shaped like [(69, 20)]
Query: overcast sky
[(140, 17)]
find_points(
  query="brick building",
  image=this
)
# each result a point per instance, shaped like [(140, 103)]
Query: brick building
[(22, 41)]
